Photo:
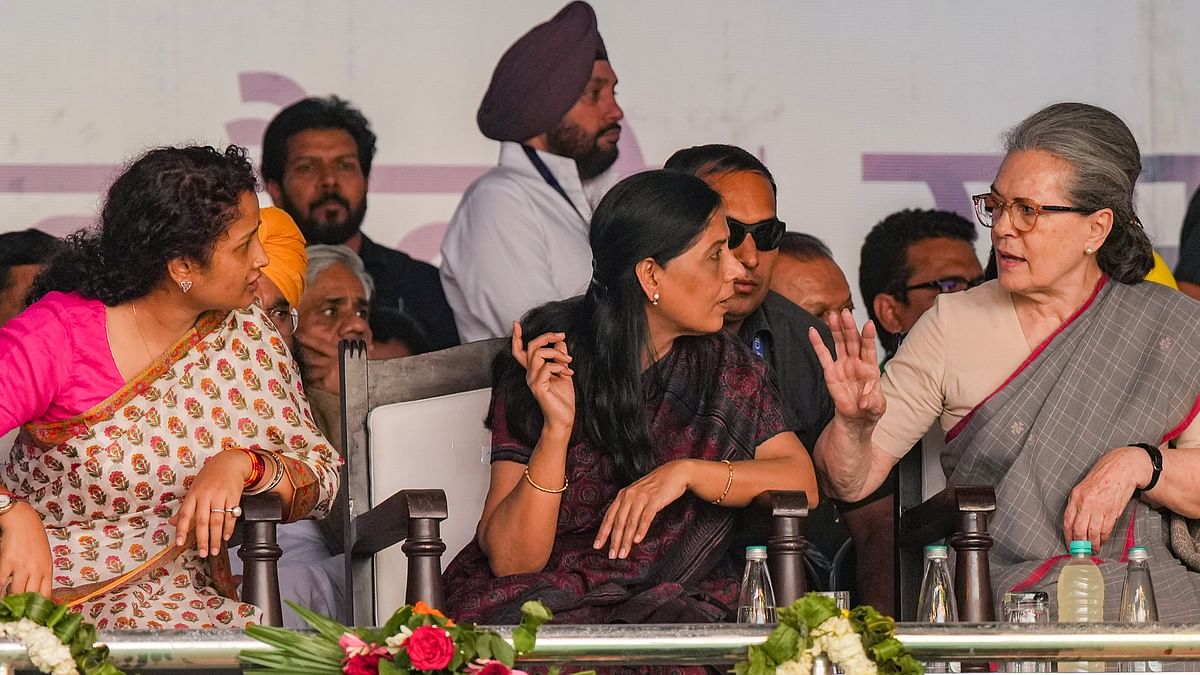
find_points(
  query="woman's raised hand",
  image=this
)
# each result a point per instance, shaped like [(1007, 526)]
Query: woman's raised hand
[(853, 379), (25, 563), (548, 374)]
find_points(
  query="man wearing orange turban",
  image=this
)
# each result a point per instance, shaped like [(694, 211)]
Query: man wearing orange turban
[(282, 282)]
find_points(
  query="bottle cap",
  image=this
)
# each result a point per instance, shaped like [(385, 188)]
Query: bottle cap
[(936, 551), (1138, 553), (756, 553), (1081, 547)]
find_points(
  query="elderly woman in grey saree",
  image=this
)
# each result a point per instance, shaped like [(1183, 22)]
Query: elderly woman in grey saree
[(1061, 383)]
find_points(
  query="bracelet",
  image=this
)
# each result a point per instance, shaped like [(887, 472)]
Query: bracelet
[(728, 483), (1156, 461), (258, 467), (542, 489), (274, 479)]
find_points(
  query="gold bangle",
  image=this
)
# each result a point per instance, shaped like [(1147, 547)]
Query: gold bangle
[(542, 489), (728, 483), (274, 479)]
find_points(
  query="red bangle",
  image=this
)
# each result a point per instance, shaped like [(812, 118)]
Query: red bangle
[(258, 467)]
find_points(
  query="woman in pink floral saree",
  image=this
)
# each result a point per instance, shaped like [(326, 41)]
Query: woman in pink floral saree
[(150, 402)]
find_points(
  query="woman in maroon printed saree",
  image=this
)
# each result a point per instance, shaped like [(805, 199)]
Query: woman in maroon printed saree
[(622, 508), (1061, 383)]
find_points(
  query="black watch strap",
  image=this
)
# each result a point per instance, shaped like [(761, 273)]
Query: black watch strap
[(1156, 460)]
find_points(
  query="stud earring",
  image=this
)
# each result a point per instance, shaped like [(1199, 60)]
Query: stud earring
[(1088, 250), (185, 285), (654, 299)]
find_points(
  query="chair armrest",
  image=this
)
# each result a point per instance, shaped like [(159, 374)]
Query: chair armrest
[(390, 522), (260, 553), (961, 515), (414, 517), (786, 546), (939, 516)]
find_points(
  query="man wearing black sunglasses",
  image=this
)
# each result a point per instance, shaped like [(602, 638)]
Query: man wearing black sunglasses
[(776, 330)]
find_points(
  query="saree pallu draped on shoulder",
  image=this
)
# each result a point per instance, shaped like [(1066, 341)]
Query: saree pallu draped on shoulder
[(1124, 369), (106, 481)]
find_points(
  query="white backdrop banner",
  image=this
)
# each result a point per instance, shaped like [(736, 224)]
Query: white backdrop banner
[(859, 108)]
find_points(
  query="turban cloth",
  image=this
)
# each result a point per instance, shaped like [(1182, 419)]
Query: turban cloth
[(285, 247), (541, 76)]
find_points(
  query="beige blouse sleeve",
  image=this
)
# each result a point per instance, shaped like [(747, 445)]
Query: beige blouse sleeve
[(913, 383)]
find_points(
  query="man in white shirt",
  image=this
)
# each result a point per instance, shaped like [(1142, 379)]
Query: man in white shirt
[(519, 237)]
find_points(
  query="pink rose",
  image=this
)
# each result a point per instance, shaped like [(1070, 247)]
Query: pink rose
[(430, 648)]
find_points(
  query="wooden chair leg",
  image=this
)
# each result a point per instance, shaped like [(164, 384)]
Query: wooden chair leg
[(786, 546), (260, 553), (973, 578)]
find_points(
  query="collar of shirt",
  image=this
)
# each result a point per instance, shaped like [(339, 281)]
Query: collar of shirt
[(564, 170)]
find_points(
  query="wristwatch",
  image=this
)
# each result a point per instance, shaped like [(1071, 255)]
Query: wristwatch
[(7, 502)]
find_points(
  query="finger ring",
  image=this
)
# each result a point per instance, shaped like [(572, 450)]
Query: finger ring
[(236, 511)]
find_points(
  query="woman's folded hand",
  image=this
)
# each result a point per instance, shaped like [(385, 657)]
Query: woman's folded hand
[(25, 564), (631, 513), (207, 505)]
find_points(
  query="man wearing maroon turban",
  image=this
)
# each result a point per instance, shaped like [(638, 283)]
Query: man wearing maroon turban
[(519, 237)]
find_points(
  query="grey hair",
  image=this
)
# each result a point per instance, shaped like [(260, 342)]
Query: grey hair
[(1107, 162), (323, 256)]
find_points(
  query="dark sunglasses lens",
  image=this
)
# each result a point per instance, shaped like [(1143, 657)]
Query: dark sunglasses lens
[(737, 234), (768, 235)]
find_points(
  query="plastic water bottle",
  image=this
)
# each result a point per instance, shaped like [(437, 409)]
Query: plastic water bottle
[(756, 602), (1081, 599), (1137, 604), (936, 603)]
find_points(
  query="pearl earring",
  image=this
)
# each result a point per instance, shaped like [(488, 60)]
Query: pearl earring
[(654, 299), (1088, 250)]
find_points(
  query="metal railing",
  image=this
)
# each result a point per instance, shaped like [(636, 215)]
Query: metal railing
[(702, 644)]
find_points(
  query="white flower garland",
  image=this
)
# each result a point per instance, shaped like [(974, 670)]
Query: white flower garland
[(46, 651), (835, 638)]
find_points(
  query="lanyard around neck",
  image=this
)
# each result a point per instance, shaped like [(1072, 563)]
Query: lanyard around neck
[(550, 179)]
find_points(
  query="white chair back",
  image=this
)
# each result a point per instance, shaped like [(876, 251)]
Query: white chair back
[(430, 443)]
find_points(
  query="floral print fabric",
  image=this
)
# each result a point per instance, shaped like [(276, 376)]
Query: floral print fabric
[(106, 481)]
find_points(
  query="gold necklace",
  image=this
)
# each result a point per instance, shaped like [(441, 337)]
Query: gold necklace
[(138, 324)]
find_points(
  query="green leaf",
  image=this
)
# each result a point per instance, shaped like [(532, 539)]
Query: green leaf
[(759, 663), (388, 668), (399, 618), (813, 609), (501, 650), (533, 614), (782, 644), (322, 624)]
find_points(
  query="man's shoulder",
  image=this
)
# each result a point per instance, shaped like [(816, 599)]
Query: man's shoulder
[(782, 316)]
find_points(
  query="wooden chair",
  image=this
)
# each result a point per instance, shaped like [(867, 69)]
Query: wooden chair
[(959, 514), (374, 391)]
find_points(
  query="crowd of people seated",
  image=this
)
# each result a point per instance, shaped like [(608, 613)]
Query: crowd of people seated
[(674, 353)]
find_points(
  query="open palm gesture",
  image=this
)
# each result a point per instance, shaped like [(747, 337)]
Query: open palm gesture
[(852, 379), (548, 373)]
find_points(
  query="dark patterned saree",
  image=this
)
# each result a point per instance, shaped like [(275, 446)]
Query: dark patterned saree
[(709, 398), (1124, 369)]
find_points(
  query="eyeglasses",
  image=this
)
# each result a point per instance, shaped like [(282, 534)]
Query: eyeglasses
[(286, 320), (948, 284), (1022, 213), (766, 233)]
